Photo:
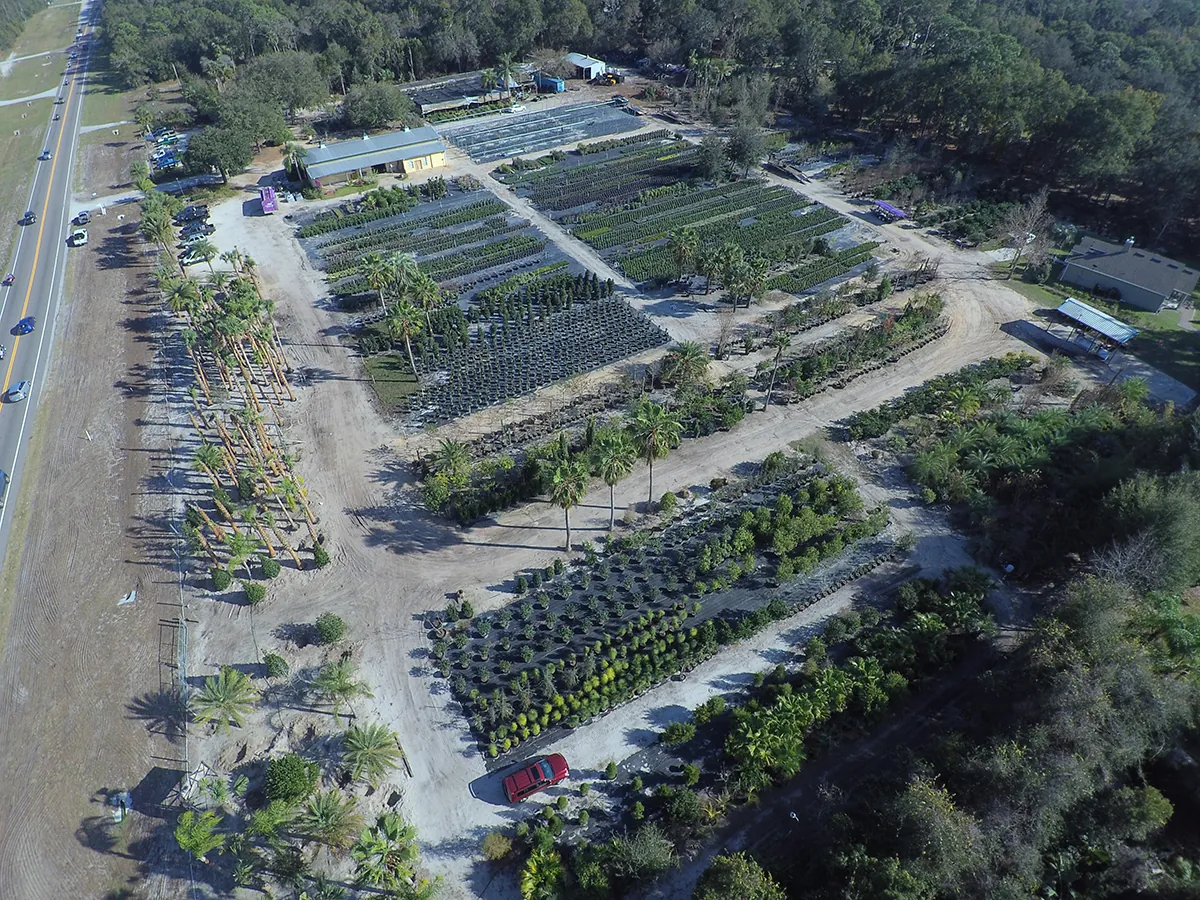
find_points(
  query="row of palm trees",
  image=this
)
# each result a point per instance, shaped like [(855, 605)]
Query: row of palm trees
[(649, 433), (413, 295), (744, 277)]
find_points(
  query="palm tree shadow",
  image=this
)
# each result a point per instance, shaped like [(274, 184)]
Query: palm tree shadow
[(164, 711)]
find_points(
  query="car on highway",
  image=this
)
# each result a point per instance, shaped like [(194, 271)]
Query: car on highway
[(3, 350), (8, 279), (29, 218), (541, 774), (46, 154), (78, 237), (60, 101), (83, 218), (57, 117), (25, 326), (19, 391)]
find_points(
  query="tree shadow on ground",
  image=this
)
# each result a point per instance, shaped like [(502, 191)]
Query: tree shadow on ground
[(165, 712)]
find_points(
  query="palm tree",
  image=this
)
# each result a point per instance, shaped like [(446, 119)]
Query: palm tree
[(330, 819), (452, 457), (293, 155), (378, 272), (685, 364), (682, 247), (424, 291), (656, 431), (385, 855), (336, 685), (507, 72), (541, 879), (371, 751), (615, 455), (241, 547), (781, 342), (488, 79), (226, 699), (208, 459), (206, 250), (405, 271), (196, 834), (708, 264), (567, 488), (404, 321)]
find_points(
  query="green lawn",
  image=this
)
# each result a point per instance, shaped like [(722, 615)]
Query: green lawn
[(53, 28), (20, 156), (391, 379), (33, 76), (1162, 343), (104, 100)]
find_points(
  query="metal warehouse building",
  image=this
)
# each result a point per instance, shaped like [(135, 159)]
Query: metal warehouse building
[(1139, 277), (406, 152)]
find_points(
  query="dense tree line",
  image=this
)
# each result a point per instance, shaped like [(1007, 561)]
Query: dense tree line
[(13, 15)]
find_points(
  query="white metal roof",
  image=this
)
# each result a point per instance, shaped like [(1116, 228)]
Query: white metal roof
[(372, 150), (583, 62), (1097, 320)]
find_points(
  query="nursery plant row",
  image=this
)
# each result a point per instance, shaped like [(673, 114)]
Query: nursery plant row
[(446, 268), (931, 396), (381, 235), (615, 188), (562, 180), (616, 626), (805, 277), (529, 356), (427, 244), (645, 206), (650, 144)]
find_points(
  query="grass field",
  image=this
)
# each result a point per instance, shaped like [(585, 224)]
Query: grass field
[(104, 101), (33, 76), (51, 29), (391, 378), (20, 155)]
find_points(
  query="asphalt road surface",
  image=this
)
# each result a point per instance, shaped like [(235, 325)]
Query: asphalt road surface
[(39, 264)]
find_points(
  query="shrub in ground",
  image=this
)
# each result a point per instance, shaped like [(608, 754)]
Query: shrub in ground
[(496, 845), (636, 784), (668, 503), (277, 666), (638, 811), (610, 771), (737, 875), (271, 568), (691, 775), (678, 733), (583, 818), (221, 579), (708, 710), (331, 628), (584, 789), (561, 802), (320, 556), (291, 778), (255, 593)]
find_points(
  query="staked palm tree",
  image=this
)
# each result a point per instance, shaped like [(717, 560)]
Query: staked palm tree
[(656, 430), (404, 321), (685, 364), (337, 686), (385, 855), (615, 456), (226, 699), (371, 751), (330, 819), (781, 342), (542, 877), (683, 246), (206, 250), (569, 484), (378, 272)]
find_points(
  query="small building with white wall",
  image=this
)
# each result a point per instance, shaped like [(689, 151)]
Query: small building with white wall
[(401, 152), (587, 67)]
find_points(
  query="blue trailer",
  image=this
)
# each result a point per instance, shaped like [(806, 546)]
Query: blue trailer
[(548, 84)]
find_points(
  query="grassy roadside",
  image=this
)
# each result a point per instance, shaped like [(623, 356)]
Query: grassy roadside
[(19, 153), (33, 76), (103, 99), (52, 28)]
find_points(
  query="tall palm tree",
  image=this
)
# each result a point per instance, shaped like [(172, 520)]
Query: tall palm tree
[(615, 456), (226, 699), (542, 877), (182, 295), (337, 686), (385, 855), (685, 364), (371, 751), (656, 430), (241, 547), (208, 459), (405, 272), (330, 819), (378, 272), (569, 484), (425, 294), (404, 321), (293, 155), (206, 250), (781, 342), (507, 72), (682, 247)]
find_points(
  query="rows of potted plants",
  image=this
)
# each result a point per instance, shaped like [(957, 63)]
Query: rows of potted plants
[(651, 145), (421, 243), (624, 621), (614, 143), (931, 396), (653, 202), (818, 272), (426, 219)]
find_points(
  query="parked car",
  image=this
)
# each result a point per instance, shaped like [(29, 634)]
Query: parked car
[(188, 258), (19, 391), (25, 326), (83, 218), (543, 773), (78, 238), (200, 228), (188, 213), (192, 239), (3, 350)]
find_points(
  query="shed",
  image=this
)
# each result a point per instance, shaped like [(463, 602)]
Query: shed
[(411, 150), (587, 67), (1139, 277), (1094, 329)]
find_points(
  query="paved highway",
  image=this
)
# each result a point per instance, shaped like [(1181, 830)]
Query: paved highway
[(39, 264)]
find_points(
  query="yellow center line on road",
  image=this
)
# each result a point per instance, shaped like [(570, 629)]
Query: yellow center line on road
[(37, 247)]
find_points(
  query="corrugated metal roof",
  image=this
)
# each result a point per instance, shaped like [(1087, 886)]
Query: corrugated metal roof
[(345, 156), (582, 61), (1097, 320), (1133, 265)]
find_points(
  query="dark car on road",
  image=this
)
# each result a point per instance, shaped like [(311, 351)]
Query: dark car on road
[(25, 326), (541, 774), (29, 218)]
